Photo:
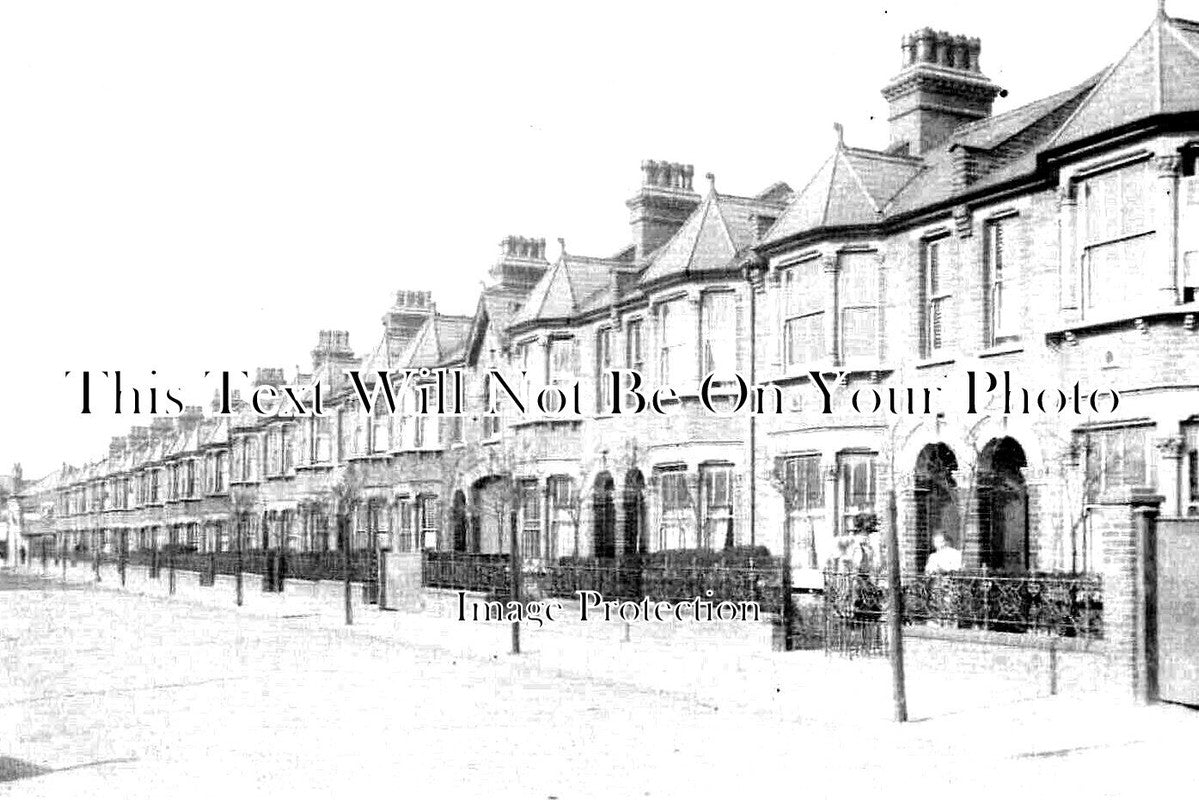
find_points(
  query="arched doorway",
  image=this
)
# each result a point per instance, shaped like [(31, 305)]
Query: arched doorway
[(458, 526), (1003, 506), (936, 498), (603, 507), (634, 513)]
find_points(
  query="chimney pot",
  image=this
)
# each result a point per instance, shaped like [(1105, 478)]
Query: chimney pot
[(925, 108)]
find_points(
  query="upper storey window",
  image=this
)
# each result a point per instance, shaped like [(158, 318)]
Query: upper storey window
[(803, 314), (719, 334), (935, 296), (857, 299), (1002, 282), (1117, 231), (634, 347), (672, 337)]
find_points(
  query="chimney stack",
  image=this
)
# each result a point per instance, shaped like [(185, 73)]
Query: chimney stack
[(161, 426), (116, 448), (404, 319), (939, 87), (333, 351), (520, 265), (138, 434), (191, 417), (664, 203)]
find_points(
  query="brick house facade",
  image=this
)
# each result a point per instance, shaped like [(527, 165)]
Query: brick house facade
[(1058, 241)]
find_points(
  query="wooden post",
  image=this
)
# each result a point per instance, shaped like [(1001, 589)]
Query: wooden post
[(895, 615), (237, 578), (172, 544), (345, 561), (1053, 665), (786, 610), (517, 579)]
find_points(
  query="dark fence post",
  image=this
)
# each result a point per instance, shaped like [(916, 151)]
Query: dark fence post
[(786, 610), (237, 578), (123, 555), (344, 539), (172, 545), (517, 579)]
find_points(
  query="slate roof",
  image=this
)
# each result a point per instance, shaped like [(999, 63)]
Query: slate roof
[(1158, 74), (720, 228), (853, 187), (567, 288), (440, 340)]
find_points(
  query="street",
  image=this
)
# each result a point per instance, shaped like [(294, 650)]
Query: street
[(108, 694)]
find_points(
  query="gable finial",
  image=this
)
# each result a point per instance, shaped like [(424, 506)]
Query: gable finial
[(840, 129), (1161, 8), (562, 244), (711, 176)]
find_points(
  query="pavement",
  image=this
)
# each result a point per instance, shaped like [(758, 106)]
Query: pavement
[(114, 694)]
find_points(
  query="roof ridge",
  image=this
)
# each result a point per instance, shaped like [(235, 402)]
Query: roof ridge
[(879, 154), (1181, 40), (1111, 70), (861, 186), (724, 223), (707, 206), (570, 288)]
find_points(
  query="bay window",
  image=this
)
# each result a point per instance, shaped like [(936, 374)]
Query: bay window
[(717, 488), (803, 488), (1117, 231), (678, 514), (430, 518), (803, 303), (634, 347), (672, 343), (530, 519), (563, 502), (857, 479), (718, 317), (858, 307), (1117, 457)]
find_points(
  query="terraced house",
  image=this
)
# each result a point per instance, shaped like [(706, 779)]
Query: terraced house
[(1057, 241)]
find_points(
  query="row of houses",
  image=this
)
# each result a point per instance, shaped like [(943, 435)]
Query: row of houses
[(1056, 243)]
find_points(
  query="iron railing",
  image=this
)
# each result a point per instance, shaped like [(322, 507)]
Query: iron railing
[(757, 580), (1060, 604)]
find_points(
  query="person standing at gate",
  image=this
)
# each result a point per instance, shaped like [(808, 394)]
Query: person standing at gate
[(945, 557)]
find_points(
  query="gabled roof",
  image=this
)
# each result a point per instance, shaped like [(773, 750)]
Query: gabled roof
[(853, 187), (565, 288), (441, 339), (1159, 74), (720, 228)]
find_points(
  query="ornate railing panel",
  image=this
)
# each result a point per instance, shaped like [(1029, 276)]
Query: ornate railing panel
[(1059, 604)]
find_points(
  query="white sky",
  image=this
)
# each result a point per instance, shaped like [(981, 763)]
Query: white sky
[(206, 185)]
